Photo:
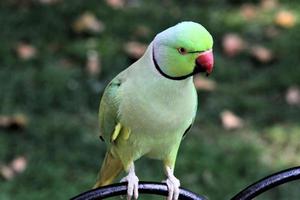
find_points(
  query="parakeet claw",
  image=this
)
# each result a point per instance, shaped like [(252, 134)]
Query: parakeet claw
[(173, 187), (132, 186), (173, 184)]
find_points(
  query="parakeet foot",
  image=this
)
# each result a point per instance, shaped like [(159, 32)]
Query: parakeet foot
[(173, 185), (132, 185)]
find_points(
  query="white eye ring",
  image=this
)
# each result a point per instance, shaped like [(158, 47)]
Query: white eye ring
[(182, 50)]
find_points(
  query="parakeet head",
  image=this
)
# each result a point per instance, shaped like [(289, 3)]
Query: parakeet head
[(183, 50)]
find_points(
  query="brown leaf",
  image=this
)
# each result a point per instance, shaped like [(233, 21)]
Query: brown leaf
[(142, 31), (269, 4), (66, 62), (271, 32), (88, 22), (204, 84), (292, 96), (116, 3), (233, 44), (5, 121), (49, 2), (285, 19), (248, 11), (18, 121), (6, 172), (19, 164), (262, 54), (230, 121), (93, 65), (25, 51), (135, 49)]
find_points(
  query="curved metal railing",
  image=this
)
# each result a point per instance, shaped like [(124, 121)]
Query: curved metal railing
[(144, 188), (249, 193), (267, 183)]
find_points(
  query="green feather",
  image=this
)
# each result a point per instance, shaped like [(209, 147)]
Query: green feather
[(143, 113)]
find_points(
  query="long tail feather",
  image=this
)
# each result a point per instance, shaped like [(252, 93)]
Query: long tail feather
[(110, 169)]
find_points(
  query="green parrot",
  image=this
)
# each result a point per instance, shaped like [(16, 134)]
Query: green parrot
[(147, 108)]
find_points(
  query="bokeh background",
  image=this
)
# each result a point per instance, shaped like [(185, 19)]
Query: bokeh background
[(56, 57)]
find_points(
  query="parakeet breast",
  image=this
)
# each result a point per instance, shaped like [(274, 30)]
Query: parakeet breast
[(156, 109)]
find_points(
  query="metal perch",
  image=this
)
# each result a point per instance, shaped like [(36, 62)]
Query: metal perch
[(249, 193), (267, 183), (144, 187)]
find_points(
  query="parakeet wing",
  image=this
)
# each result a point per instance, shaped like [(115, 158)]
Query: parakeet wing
[(108, 111), (193, 120)]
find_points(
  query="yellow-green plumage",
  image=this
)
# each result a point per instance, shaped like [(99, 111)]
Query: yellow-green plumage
[(143, 113), (156, 111)]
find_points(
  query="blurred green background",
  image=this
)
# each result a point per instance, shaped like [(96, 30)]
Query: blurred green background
[(56, 57)]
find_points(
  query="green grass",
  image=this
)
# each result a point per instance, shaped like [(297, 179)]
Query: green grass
[(61, 102)]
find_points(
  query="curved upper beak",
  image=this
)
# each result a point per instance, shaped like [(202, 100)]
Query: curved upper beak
[(205, 62)]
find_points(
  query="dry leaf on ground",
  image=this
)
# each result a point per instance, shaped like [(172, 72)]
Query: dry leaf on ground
[(205, 84), (248, 11), (116, 3), (285, 19), (142, 31), (269, 4), (292, 96), (18, 121), (66, 62), (271, 32), (233, 44), (88, 22), (6, 172), (231, 121), (262, 54), (135, 49), (25, 51), (93, 64), (19, 164), (49, 2)]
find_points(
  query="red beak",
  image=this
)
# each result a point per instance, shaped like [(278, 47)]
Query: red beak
[(205, 62)]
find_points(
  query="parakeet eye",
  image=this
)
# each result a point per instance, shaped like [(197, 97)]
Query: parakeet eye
[(182, 50)]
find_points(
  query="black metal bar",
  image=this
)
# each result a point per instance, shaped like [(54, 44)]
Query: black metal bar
[(249, 193), (267, 183), (144, 187)]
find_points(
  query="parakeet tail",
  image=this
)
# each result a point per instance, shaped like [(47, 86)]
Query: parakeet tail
[(110, 169)]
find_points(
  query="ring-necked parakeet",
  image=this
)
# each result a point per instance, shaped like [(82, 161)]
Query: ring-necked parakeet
[(147, 108)]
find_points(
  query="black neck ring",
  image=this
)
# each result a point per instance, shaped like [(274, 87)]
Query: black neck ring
[(177, 78)]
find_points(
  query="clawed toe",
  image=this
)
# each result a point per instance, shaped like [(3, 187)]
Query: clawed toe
[(132, 186), (173, 185)]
